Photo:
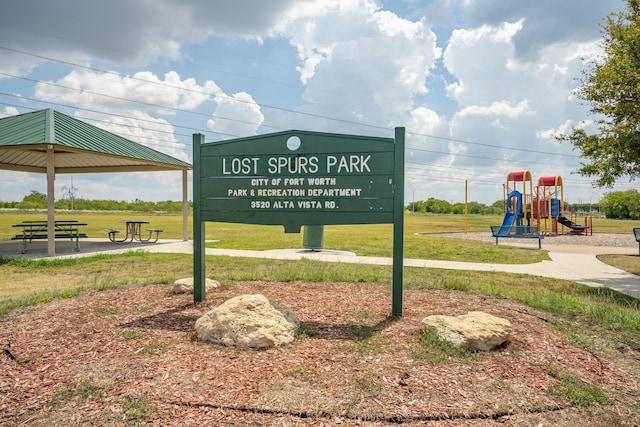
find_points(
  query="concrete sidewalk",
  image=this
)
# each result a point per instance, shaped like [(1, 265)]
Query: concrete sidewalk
[(568, 262)]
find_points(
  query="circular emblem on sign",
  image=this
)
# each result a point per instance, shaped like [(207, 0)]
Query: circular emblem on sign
[(293, 143)]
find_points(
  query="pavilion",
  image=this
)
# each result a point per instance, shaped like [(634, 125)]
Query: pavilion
[(49, 142)]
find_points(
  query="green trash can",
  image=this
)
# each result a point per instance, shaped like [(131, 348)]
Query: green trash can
[(313, 237)]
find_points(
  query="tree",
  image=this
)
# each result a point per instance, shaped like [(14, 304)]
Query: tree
[(612, 88), (499, 204), (437, 206), (34, 200), (621, 204)]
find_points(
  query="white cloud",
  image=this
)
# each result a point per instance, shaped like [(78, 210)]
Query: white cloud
[(505, 100), (122, 94), (236, 116), (156, 133), (9, 111), (130, 106), (496, 110), (361, 64), (481, 55)]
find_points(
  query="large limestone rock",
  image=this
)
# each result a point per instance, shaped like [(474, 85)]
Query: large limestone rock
[(185, 286), (248, 321), (475, 331)]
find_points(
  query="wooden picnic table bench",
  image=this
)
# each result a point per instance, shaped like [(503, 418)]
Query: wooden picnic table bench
[(39, 230)]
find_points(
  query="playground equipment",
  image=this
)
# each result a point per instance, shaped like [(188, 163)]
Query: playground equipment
[(519, 202), (518, 209), (523, 177), (551, 211), (549, 202), (514, 214), (545, 207)]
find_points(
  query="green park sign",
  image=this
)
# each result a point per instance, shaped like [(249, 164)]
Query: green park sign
[(297, 178)]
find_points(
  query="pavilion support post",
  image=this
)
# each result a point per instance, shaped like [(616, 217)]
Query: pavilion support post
[(51, 177)]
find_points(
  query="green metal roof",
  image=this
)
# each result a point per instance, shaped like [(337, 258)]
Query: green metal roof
[(78, 147)]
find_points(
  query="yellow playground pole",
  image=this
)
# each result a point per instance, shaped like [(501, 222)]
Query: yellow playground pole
[(466, 204)]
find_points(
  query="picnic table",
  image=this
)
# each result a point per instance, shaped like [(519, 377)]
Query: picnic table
[(39, 230), (133, 231)]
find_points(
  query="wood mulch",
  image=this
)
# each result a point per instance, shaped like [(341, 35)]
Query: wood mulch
[(130, 357)]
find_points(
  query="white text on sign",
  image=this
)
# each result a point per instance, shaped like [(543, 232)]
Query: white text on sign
[(354, 163)]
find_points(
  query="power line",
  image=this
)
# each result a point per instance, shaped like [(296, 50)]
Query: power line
[(461, 141), (200, 92), (187, 147), (444, 153), (173, 87)]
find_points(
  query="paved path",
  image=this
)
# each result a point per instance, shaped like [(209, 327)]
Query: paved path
[(569, 262)]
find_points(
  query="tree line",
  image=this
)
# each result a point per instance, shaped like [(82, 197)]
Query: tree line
[(619, 209), (38, 200), (438, 206), (615, 205)]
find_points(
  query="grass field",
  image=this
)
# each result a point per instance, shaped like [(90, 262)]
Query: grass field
[(366, 240), (172, 224), (27, 282)]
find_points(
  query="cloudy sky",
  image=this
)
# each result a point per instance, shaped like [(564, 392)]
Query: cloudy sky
[(480, 86)]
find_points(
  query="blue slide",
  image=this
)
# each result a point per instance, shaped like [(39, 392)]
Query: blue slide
[(507, 223)]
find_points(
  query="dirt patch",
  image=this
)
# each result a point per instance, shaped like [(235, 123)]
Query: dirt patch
[(130, 357)]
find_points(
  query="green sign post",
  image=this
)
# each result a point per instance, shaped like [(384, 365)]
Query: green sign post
[(297, 178)]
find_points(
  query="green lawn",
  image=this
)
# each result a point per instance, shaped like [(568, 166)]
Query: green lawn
[(172, 224), (26, 282), (365, 240)]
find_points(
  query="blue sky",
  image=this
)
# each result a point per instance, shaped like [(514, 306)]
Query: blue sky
[(480, 86)]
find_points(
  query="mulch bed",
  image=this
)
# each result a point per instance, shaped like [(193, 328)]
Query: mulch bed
[(131, 357)]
